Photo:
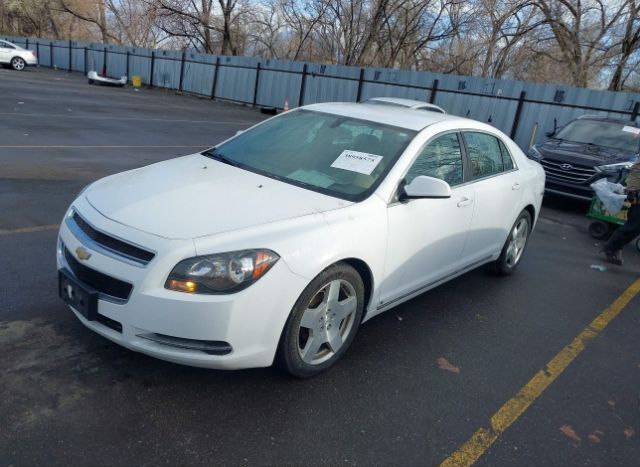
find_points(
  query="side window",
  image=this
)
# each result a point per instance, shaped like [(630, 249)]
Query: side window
[(6, 45), (441, 158), (506, 157), (484, 154)]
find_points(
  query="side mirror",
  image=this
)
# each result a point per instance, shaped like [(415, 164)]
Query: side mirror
[(549, 134), (425, 187), (239, 132)]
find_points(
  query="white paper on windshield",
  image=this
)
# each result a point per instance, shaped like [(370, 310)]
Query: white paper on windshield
[(632, 129), (356, 161), (312, 177)]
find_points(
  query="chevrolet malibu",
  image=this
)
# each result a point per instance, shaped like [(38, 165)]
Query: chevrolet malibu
[(276, 244)]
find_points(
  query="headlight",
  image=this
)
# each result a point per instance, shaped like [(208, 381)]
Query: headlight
[(535, 154), (221, 273), (613, 169)]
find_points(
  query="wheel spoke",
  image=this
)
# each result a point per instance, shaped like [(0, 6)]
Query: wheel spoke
[(334, 292), (311, 348), (335, 340), (310, 318), (344, 308)]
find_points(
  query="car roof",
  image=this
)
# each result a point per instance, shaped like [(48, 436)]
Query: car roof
[(389, 115)]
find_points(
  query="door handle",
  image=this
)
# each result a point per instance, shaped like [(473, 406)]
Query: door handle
[(516, 186), (464, 201)]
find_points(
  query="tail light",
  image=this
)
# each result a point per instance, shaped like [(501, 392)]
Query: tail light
[(34, 54)]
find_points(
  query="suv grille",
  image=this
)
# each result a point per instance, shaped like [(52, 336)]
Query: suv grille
[(114, 245), (104, 284), (576, 174)]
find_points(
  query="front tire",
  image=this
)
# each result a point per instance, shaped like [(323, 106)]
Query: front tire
[(514, 246), (18, 63), (323, 322)]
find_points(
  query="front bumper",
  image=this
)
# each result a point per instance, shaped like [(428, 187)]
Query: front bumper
[(172, 325)]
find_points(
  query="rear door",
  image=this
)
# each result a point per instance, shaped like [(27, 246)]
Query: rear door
[(497, 187)]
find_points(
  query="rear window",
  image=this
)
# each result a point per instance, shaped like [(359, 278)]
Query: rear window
[(608, 134)]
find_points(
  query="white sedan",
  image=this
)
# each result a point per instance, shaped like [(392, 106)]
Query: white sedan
[(15, 56), (279, 242)]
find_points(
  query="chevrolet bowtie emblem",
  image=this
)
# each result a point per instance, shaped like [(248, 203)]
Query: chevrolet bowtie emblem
[(82, 253)]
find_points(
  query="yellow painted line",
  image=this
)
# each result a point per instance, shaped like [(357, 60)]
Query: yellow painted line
[(482, 439), (22, 230), (62, 146)]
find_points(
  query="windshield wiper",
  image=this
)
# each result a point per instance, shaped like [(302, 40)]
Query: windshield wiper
[(220, 157)]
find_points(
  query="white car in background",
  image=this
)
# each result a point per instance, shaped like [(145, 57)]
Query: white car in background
[(408, 103), (279, 242), (15, 56)]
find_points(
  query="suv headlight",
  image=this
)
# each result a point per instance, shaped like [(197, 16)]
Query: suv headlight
[(221, 273), (613, 169), (535, 154)]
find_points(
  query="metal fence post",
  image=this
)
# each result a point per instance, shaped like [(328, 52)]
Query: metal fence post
[(516, 118), (70, 58), (26, 42), (104, 62), (303, 85), (85, 59), (635, 111), (181, 70), (360, 80), (215, 78), (434, 91), (51, 54), (255, 88), (38, 50), (153, 63), (127, 69)]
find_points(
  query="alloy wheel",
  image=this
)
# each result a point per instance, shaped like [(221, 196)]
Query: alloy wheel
[(17, 64), (327, 322), (517, 242)]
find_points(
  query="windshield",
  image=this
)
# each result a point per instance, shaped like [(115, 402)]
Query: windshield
[(608, 134), (332, 154)]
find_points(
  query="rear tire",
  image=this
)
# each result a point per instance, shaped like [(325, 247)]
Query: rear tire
[(90, 81), (18, 64), (515, 245), (323, 322)]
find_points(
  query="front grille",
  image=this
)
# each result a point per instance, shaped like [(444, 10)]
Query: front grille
[(103, 283), (577, 174), (113, 244)]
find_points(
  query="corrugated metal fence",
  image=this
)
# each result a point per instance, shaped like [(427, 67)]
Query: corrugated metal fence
[(521, 109)]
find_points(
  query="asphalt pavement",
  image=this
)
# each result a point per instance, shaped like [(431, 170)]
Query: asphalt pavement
[(416, 384)]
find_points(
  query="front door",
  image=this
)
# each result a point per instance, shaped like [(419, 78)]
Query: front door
[(426, 236)]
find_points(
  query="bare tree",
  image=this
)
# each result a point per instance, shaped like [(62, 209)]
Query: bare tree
[(581, 29), (629, 45)]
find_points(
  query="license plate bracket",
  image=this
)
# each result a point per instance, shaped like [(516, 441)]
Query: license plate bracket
[(81, 297)]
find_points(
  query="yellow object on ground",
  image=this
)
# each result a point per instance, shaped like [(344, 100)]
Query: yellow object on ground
[(136, 81)]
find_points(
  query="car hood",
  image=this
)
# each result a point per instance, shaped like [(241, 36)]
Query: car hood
[(195, 196), (583, 154)]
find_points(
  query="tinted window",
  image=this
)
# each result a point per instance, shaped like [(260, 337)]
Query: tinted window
[(506, 157), (609, 134), (441, 158), (484, 154), (333, 154)]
